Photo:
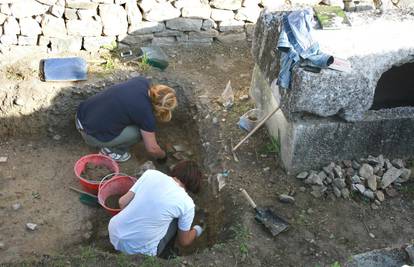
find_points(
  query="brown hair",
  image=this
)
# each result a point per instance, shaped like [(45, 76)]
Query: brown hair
[(189, 174), (163, 101)]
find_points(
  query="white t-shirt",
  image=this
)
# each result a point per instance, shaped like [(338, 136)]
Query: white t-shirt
[(140, 226)]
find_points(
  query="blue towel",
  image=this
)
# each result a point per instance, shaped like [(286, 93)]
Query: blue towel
[(65, 69)]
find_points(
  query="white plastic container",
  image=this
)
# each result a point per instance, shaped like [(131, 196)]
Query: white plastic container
[(250, 119)]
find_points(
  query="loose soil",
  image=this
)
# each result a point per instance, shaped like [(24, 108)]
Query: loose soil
[(39, 171), (112, 202), (95, 172)]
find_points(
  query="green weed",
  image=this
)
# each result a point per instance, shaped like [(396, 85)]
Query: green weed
[(150, 261), (273, 147), (336, 264), (143, 64), (122, 261), (241, 235)]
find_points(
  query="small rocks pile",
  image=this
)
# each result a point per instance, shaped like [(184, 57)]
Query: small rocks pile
[(372, 177)]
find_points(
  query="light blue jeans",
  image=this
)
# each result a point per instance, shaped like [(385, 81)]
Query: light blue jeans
[(129, 136)]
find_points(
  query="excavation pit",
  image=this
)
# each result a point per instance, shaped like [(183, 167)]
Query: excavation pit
[(42, 147)]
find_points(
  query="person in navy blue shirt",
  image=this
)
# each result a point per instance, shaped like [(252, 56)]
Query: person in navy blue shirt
[(123, 114)]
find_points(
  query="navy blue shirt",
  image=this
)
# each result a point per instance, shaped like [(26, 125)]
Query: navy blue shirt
[(107, 113)]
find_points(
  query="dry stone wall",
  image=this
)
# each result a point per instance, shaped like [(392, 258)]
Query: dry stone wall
[(71, 25)]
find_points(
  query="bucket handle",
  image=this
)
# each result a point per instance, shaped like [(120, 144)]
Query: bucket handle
[(115, 173)]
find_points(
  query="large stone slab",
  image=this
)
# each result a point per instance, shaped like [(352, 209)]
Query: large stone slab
[(231, 37), (8, 39), (388, 257), (114, 19), (248, 13), (27, 40), (221, 14), (27, 8), (184, 24), (349, 95), (146, 27), (11, 26), (81, 4), (231, 26), (134, 15), (201, 11), (137, 39), (308, 141), (47, 2)]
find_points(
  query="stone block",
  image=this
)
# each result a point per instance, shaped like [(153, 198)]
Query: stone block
[(249, 14), (66, 44), (232, 37), (249, 28), (308, 142), (163, 41), (11, 26), (8, 39), (1, 30), (71, 13), (44, 41), (27, 8), (27, 40), (114, 19), (94, 43), (146, 27), (103, 1), (202, 12), (184, 24), (162, 11), (227, 4), (208, 24), (168, 33), (203, 34), (53, 26), (47, 2), (147, 5), (252, 3), (120, 2), (81, 4), (187, 3), (57, 11), (200, 39), (182, 39), (86, 13), (136, 39), (231, 26), (84, 27), (134, 15), (29, 27), (272, 5), (5, 9), (221, 15)]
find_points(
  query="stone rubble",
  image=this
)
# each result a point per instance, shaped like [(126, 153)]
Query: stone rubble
[(372, 178)]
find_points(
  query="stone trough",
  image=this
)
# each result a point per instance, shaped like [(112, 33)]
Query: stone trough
[(333, 115)]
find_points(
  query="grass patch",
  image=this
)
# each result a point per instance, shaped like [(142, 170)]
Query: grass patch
[(272, 147), (241, 236), (150, 261)]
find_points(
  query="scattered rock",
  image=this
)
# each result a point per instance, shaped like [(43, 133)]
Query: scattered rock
[(16, 206), (355, 179), (410, 251), (390, 176), (323, 176), (302, 189), (372, 182), (391, 192), (377, 202), (380, 195), (356, 165), (302, 175), (347, 163), (338, 172), (360, 188), (266, 169), (3, 159), (369, 194), (337, 192), (388, 164), (317, 194), (309, 211), (374, 206), (345, 193), (284, 198), (399, 163), (314, 179), (340, 183), (57, 137), (243, 97), (366, 171), (371, 235), (31, 226), (2, 245), (405, 176)]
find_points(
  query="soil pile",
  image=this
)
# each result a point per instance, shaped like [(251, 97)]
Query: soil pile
[(95, 172)]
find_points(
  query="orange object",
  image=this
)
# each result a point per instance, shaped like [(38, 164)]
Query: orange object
[(118, 185), (97, 159)]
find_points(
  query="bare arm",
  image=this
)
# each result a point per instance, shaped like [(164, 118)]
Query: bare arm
[(185, 238), (151, 145), (125, 199)]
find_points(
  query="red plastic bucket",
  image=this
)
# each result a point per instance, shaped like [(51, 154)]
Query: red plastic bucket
[(97, 159), (118, 185)]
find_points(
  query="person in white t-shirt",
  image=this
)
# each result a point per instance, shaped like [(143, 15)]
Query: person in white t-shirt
[(155, 209)]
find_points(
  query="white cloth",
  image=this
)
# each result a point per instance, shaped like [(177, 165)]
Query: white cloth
[(140, 226)]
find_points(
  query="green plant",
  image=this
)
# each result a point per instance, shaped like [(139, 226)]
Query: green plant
[(273, 147), (150, 261), (87, 256), (241, 235), (336, 264), (143, 64), (112, 46), (122, 260)]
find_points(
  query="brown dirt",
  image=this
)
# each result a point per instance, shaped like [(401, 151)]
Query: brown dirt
[(112, 201), (40, 170), (95, 172)]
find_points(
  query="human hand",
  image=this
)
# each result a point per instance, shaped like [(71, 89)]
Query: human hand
[(199, 230), (162, 160)]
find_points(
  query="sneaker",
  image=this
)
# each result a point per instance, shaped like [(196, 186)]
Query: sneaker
[(115, 156)]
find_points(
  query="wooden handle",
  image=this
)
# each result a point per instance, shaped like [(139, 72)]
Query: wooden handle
[(255, 128), (82, 192), (249, 199)]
